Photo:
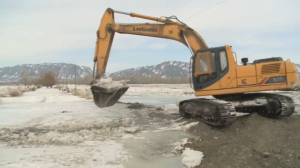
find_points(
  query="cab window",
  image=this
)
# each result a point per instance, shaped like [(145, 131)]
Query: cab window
[(203, 63), (223, 60), (206, 67)]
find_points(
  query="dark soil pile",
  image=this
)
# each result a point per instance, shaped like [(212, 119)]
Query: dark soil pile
[(252, 141), (138, 106)]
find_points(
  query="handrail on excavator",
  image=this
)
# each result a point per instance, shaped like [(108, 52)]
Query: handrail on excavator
[(142, 16)]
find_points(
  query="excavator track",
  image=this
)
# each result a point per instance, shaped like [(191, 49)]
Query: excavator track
[(210, 111), (265, 104)]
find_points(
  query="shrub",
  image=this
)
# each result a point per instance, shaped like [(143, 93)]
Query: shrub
[(2, 95), (87, 95), (47, 79), (82, 93), (32, 89), (75, 93), (65, 88), (24, 89), (15, 93)]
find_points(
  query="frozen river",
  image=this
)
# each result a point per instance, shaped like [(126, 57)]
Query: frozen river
[(51, 128)]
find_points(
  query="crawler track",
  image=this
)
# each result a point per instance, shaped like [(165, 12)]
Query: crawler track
[(210, 111), (266, 104), (222, 111)]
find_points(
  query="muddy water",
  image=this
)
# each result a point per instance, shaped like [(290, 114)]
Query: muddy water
[(155, 150)]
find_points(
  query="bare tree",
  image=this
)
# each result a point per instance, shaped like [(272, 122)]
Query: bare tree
[(24, 79), (32, 78), (47, 79)]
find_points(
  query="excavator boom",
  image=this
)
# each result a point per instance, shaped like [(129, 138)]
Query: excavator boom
[(166, 28)]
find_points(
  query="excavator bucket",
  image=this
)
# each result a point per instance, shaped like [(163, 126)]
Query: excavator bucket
[(104, 97)]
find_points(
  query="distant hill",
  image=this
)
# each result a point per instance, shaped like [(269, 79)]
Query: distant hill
[(62, 70), (67, 71), (164, 70)]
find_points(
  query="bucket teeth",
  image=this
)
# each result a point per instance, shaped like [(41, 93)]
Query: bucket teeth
[(105, 97)]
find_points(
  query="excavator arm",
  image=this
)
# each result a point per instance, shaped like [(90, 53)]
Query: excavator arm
[(165, 28)]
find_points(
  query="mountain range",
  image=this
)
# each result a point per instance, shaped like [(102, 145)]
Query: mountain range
[(67, 71), (62, 71), (164, 70)]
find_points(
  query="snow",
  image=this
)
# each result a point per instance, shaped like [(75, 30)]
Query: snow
[(51, 128), (191, 158), (179, 146), (111, 85), (55, 129), (106, 154), (160, 89)]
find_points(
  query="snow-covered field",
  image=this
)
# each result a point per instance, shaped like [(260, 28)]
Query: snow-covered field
[(53, 128)]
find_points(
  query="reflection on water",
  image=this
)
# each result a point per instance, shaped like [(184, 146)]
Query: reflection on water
[(167, 101)]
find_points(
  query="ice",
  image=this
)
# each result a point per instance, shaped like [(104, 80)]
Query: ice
[(106, 154), (160, 90), (179, 146), (238, 114), (54, 128), (111, 85), (131, 129), (191, 158), (178, 127)]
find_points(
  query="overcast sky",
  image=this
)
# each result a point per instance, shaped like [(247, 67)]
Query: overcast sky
[(33, 31)]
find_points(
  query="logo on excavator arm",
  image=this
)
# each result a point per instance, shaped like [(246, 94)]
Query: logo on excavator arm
[(144, 29), (244, 81)]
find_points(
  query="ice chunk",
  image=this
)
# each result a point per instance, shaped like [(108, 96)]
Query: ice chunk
[(180, 145), (107, 92), (110, 85), (191, 158), (131, 129)]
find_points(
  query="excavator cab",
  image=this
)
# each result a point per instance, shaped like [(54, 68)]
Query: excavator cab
[(209, 66)]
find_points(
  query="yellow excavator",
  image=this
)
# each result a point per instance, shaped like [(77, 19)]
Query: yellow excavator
[(215, 72)]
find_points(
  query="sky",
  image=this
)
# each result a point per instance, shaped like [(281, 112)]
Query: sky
[(55, 31)]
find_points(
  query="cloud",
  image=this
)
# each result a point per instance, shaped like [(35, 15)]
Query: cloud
[(31, 30)]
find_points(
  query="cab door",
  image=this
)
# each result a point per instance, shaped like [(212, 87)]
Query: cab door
[(205, 71)]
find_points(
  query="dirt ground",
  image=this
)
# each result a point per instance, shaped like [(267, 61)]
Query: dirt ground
[(252, 141)]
